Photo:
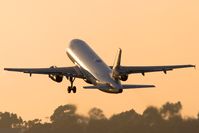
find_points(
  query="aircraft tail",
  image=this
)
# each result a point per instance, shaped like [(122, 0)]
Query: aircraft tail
[(116, 64)]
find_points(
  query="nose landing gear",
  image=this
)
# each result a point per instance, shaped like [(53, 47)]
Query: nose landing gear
[(72, 88)]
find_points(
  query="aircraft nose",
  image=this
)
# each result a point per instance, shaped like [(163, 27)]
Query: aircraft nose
[(76, 41)]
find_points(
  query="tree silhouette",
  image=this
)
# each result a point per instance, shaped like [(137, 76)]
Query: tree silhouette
[(64, 113), (97, 121), (65, 118), (10, 120), (32, 123), (96, 114), (166, 119), (170, 110)]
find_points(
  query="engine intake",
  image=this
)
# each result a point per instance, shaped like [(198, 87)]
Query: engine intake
[(123, 77), (56, 78)]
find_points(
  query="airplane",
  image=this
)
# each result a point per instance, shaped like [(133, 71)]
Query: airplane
[(93, 70)]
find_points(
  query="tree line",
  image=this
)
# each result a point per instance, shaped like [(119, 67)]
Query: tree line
[(65, 119)]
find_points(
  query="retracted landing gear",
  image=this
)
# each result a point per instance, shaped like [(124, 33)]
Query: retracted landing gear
[(72, 88)]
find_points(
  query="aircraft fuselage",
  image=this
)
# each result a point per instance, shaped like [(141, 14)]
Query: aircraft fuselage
[(92, 66)]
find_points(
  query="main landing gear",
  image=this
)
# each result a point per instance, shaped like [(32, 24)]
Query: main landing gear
[(72, 88)]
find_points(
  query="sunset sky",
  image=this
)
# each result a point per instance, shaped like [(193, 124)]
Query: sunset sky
[(36, 33)]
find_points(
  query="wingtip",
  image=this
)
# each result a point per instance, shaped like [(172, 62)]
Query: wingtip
[(190, 65), (9, 69), (151, 86), (193, 66), (119, 49)]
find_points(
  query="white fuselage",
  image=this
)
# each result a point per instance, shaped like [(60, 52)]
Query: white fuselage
[(92, 65)]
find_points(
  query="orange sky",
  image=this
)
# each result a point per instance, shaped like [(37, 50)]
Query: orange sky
[(35, 33)]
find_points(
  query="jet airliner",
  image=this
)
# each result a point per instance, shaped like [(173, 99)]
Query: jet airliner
[(93, 70)]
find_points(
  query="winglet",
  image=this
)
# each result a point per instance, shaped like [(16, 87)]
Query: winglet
[(192, 66), (5, 69)]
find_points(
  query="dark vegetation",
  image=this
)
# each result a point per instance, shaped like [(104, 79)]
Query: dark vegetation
[(166, 119)]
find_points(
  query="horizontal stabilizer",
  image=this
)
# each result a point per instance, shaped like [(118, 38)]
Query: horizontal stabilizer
[(137, 86), (124, 86), (97, 87)]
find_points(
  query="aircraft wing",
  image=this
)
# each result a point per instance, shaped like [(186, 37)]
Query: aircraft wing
[(125, 70), (65, 71)]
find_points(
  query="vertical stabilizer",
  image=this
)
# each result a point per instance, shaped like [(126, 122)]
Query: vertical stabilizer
[(117, 63)]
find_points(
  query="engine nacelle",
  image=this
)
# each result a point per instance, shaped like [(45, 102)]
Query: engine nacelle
[(56, 78), (124, 77)]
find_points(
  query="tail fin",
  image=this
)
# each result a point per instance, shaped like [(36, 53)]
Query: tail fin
[(117, 63)]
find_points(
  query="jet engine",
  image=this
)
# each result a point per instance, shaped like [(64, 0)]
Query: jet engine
[(56, 78), (123, 77)]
